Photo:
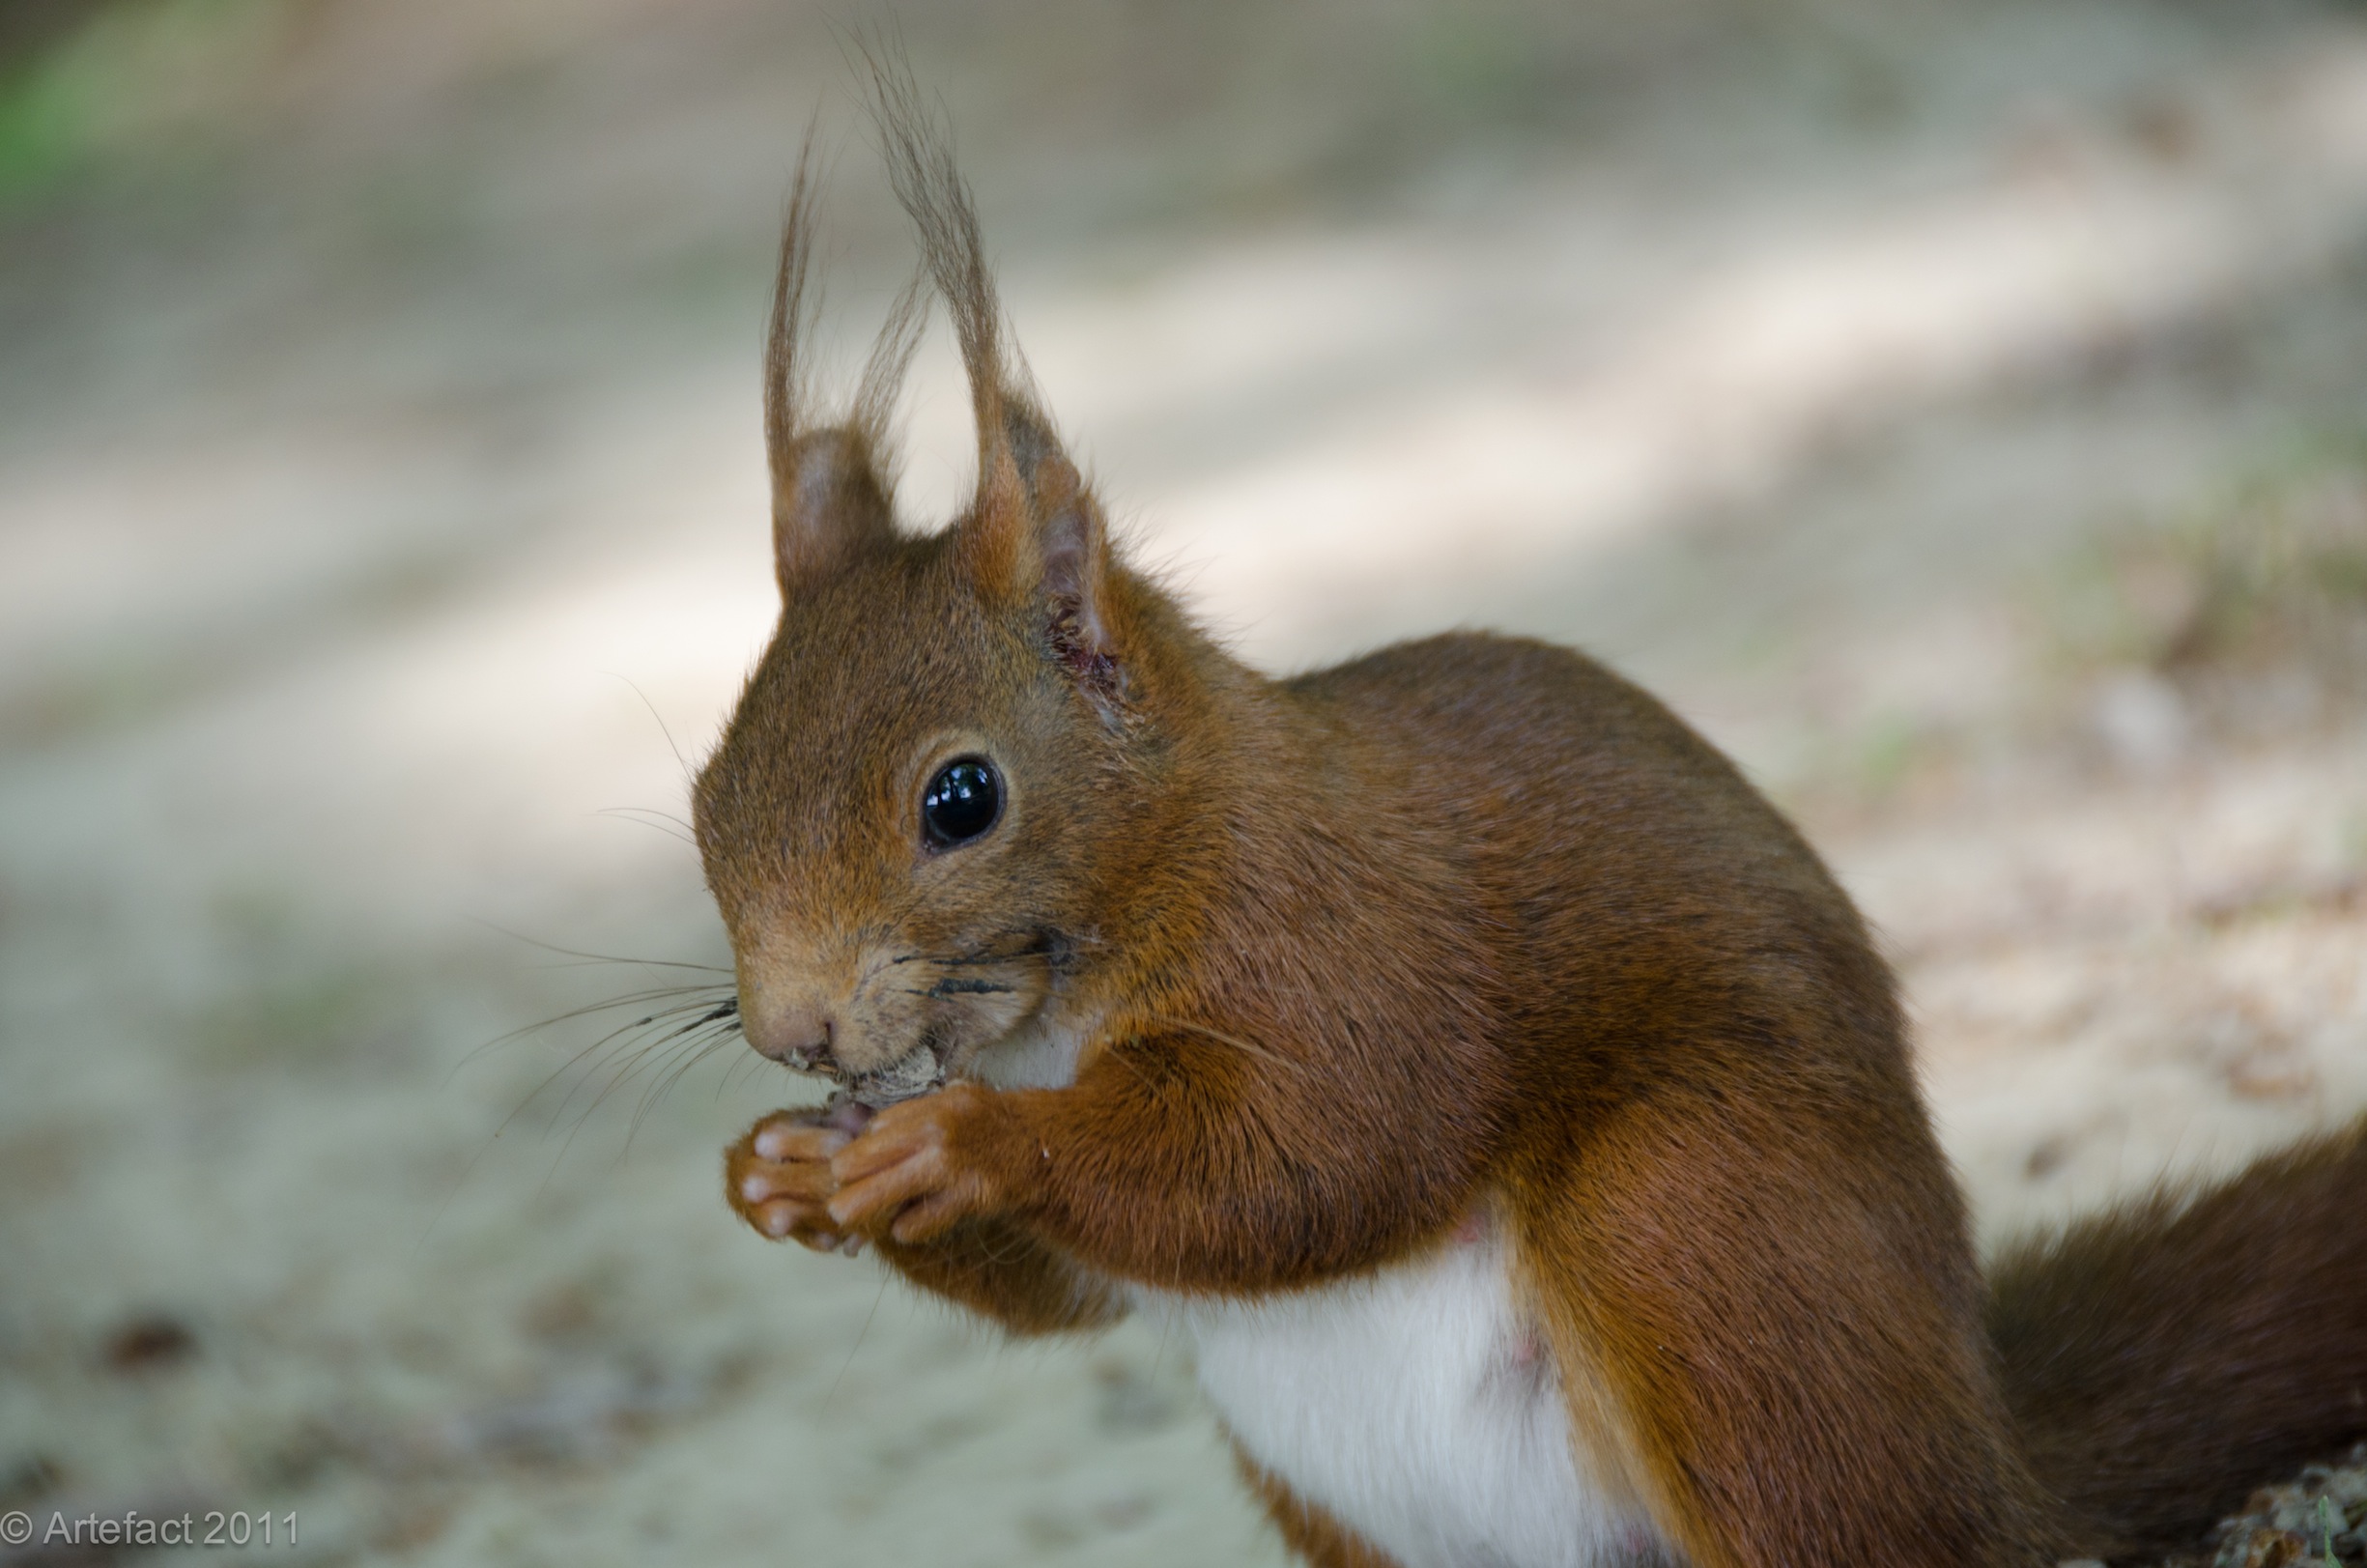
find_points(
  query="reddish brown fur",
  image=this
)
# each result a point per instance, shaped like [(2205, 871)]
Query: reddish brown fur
[(1351, 952)]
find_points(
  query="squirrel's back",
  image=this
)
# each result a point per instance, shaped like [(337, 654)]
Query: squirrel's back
[(1613, 844)]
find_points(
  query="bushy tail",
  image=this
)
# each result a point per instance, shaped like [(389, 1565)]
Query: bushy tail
[(2164, 1358)]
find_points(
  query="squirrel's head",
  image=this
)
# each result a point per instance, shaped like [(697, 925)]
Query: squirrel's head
[(942, 761)]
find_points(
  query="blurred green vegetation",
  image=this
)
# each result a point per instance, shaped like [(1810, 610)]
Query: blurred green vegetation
[(81, 83)]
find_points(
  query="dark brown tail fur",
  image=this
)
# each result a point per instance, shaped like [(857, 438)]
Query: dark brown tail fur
[(2164, 1358)]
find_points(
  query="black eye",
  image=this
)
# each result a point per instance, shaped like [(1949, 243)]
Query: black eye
[(962, 802)]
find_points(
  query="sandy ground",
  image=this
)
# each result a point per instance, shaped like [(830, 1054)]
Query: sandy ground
[(380, 508)]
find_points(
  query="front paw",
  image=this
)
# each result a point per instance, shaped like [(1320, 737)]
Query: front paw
[(911, 1175), (778, 1176)]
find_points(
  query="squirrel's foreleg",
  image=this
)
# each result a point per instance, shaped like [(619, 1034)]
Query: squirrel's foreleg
[(1178, 1162)]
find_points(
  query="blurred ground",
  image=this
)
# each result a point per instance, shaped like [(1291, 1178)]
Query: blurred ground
[(1960, 411)]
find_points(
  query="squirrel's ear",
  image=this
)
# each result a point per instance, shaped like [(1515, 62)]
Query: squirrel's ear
[(1037, 540), (829, 498), (829, 505)]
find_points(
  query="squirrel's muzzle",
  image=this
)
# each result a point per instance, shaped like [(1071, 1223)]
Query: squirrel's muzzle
[(798, 1035)]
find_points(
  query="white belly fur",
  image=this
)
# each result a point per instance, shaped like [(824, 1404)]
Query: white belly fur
[(1415, 1407)]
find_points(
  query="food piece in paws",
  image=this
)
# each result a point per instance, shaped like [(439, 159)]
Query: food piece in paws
[(915, 1073)]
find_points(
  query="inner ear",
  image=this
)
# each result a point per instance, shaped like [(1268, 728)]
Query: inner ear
[(1058, 550), (829, 506), (1038, 541), (1074, 552), (1069, 547)]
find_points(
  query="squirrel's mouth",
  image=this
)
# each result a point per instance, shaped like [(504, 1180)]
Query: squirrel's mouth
[(914, 1073)]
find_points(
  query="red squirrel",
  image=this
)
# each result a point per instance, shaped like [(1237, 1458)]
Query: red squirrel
[(1503, 1096)]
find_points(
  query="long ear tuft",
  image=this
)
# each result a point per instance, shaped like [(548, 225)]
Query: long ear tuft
[(1035, 534), (831, 496), (891, 360), (921, 168)]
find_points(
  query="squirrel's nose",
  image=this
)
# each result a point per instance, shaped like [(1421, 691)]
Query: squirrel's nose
[(798, 1035)]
